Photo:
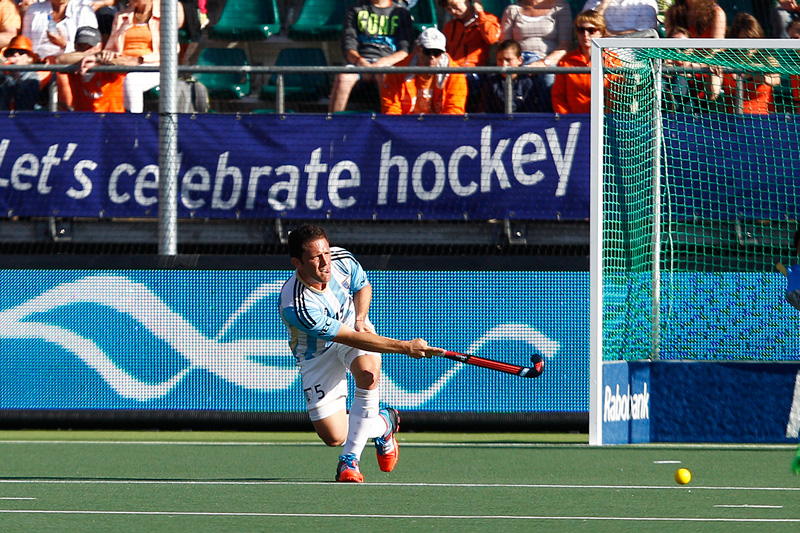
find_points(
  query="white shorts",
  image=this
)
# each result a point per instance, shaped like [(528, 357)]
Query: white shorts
[(325, 380)]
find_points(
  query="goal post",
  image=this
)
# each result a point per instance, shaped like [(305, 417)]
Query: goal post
[(694, 181)]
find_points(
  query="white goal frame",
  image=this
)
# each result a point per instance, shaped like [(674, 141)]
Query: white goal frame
[(596, 207)]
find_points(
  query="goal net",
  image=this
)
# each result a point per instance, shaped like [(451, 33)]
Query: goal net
[(696, 166)]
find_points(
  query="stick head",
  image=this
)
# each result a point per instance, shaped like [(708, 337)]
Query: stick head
[(537, 367)]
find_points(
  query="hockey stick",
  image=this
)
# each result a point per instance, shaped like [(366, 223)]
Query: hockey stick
[(532, 371)]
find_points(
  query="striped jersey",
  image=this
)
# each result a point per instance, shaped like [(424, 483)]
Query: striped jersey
[(314, 317)]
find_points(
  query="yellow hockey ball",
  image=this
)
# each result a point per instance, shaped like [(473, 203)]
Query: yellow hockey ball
[(683, 476)]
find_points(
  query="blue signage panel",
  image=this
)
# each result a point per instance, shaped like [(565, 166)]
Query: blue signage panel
[(700, 401), (723, 401), (302, 166), (625, 402), (213, 340)]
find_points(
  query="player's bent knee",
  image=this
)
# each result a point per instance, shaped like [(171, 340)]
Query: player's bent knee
[(333, 442), (366, 370), (368, 379)]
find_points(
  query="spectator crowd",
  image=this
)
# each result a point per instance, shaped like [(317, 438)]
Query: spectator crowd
[(85, 33), (536, 34)]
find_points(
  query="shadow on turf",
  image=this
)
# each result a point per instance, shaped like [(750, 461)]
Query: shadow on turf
[(153, 480)]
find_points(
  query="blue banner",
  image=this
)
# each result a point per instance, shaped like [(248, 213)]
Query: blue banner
[(725, 401), (364, 167), (733, 167), (301, 166), (213, 340), (700, 401)]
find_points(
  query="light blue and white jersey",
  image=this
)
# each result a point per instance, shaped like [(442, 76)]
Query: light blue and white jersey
[(314, 317)]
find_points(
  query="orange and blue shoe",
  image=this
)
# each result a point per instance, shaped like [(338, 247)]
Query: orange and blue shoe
[(348, 471), (386, 445)]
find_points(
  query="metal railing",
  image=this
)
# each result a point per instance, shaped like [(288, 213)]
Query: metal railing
[(280, 72)]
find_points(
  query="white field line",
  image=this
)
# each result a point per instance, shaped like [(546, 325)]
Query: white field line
[(398, 516), (339, 486), (750, 506), (689, 446)]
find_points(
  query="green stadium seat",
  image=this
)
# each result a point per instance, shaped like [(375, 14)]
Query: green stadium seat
[(247, 20), (320, 20), (496, 7), (299, 86), (424, 14), (224, 86)]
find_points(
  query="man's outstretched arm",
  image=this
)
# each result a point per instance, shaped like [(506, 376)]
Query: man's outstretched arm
[(364, 340)]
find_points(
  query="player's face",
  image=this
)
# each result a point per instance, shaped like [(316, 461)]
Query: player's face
[(315, 264)]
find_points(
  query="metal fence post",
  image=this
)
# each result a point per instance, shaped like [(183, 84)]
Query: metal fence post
[(168, 132)]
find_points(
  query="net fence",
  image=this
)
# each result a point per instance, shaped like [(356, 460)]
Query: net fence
[(699, 192)]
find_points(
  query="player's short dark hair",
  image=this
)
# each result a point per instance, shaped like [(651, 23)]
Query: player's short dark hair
[(302, 235)]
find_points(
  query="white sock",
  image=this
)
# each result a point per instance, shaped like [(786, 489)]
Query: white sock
[(364, 421)]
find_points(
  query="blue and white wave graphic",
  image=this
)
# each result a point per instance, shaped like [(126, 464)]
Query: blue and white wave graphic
[(73, 328), (230, 361)]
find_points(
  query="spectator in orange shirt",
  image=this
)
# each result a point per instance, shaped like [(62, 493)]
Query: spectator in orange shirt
[(416, 94), (755, 97), (136, 40), (572, 92), (98, 92), (470, 34)]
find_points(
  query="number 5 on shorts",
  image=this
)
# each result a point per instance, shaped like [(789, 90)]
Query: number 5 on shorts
[(317, 390)]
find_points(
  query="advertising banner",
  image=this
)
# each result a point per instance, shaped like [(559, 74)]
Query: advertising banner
[(626, 402), (213, 340), (301, 166)]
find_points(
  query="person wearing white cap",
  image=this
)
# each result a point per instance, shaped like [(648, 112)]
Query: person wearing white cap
[(416, 94)]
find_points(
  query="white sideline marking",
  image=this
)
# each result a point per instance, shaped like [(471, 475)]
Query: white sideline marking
[(667, 462), (657, 445), (399, 516), (748, 506), (10, 498), (378, 484)]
